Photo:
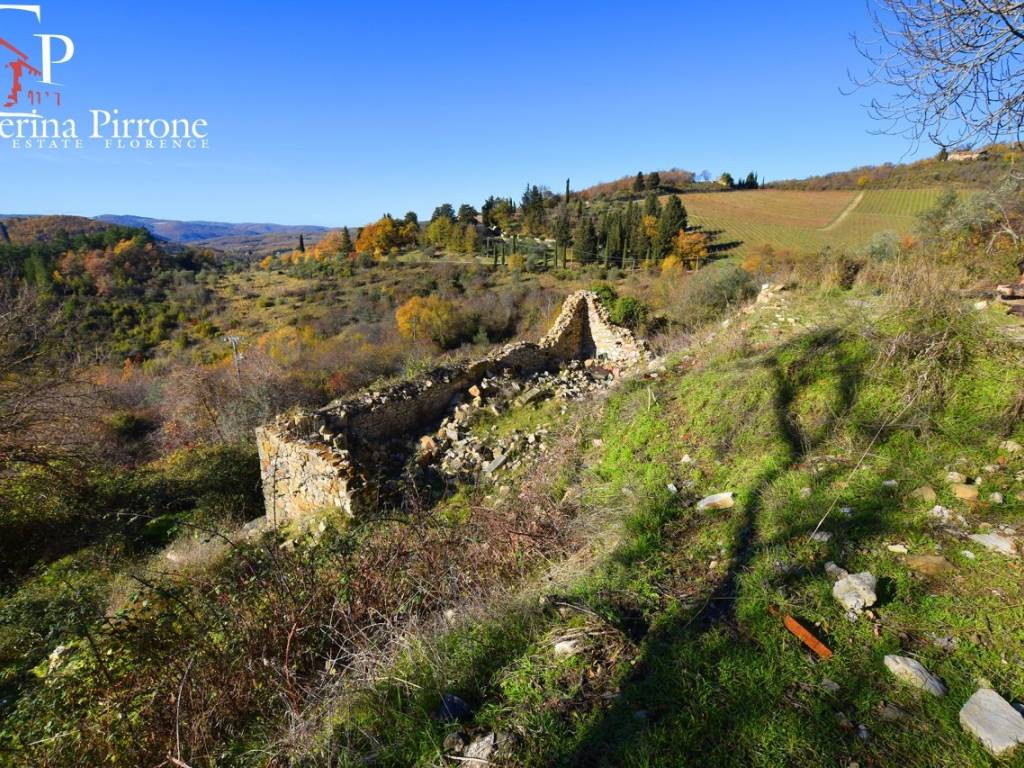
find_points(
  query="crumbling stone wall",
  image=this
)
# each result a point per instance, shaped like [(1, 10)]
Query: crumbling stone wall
[(315, 460)]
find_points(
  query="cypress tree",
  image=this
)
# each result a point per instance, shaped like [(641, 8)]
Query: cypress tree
[(638, 183), (671, 221), (346, 244), (651, 205), (302, 244)]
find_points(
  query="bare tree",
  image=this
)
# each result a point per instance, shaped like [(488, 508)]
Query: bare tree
[(955, 67), (45, 411)]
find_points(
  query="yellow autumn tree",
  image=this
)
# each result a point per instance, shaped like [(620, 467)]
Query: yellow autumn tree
[(430, 318), (691, 248)]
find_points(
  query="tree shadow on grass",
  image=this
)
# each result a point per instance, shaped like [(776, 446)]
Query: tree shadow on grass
[(705, 687)]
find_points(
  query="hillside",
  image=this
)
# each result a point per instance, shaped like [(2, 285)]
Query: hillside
[(994, 162), (196, 231), (807, 220)]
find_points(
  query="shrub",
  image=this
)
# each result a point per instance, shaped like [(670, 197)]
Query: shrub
[(628, 312), (707, 293)]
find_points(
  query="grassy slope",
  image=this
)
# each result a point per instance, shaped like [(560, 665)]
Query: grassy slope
[(681, 659), (797, 219)]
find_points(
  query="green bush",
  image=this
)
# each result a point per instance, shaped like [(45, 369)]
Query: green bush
[(628, 312)]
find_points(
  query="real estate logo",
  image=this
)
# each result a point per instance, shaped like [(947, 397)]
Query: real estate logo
[(35, 122)]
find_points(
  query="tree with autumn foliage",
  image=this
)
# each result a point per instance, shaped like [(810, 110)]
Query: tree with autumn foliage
[(430, 318), (385, 236)]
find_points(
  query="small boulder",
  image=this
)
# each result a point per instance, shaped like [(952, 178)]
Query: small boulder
[(566, 648), (965, 492), (898, 549), (913, 672), (1011, 446), (855, 592), (890, 485), (996, 724), (996, 542), (717, 501), (929, 565), (925, 493), (995, 498), (955, 477), (482, 748), (822, 537)]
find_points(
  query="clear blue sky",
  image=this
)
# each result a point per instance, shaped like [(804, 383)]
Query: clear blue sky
[(334, 112)]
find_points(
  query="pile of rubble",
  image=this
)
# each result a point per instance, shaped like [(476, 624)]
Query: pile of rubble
[(460, 450)]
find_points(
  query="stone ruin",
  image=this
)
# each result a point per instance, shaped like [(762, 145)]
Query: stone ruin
[(340, 456)]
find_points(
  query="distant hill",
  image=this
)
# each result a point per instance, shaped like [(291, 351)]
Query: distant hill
[(24, 230), (979, 169), (204, 232)]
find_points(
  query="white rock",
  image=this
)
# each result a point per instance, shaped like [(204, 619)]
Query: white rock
[(822, 537), (993, 721), (996, 498), (672, 488), (717, 501), (995, 542), (855, 593), (686, 459), (482, 748), (899, 549), (955, 477), (566, 648), (846, 511), (1011, 446), (805, 493), (911, 671), (968, 554), (890, 484)]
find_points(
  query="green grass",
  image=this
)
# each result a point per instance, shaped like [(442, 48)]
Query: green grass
[(685, 663)]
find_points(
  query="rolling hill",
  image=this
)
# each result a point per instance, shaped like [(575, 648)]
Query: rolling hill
[(806, 220)]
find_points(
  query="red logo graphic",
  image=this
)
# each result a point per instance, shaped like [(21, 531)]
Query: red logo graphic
[(18, 69)]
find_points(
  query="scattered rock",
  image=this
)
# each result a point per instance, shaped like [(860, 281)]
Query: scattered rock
[(805, 493), (890, 484), (686, 459), (717, 501), (913, 672), (892, 714), (855, 593), (995, 498), (965, 492), (863, 733), (925, 493), (835, 571), (672, 488), (995, 542), (455, 743), (482, 747), (899, 549), (945, 642), (929, 565), (968, 554), (830, 685), (954, 478), (996, 724), (1011, 446), (566, 648), (496, 463), (822, 537)]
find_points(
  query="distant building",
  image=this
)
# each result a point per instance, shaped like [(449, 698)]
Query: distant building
[(960, 155)]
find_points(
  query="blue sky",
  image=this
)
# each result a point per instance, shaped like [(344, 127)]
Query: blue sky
[(333, 113)]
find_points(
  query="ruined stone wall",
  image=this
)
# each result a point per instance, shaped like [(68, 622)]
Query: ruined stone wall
[(302, 476), (308, 459)]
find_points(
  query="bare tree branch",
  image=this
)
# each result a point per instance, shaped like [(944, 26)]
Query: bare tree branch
[(955, 69)]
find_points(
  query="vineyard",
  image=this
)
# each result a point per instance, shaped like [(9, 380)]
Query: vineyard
[(806, 220)]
